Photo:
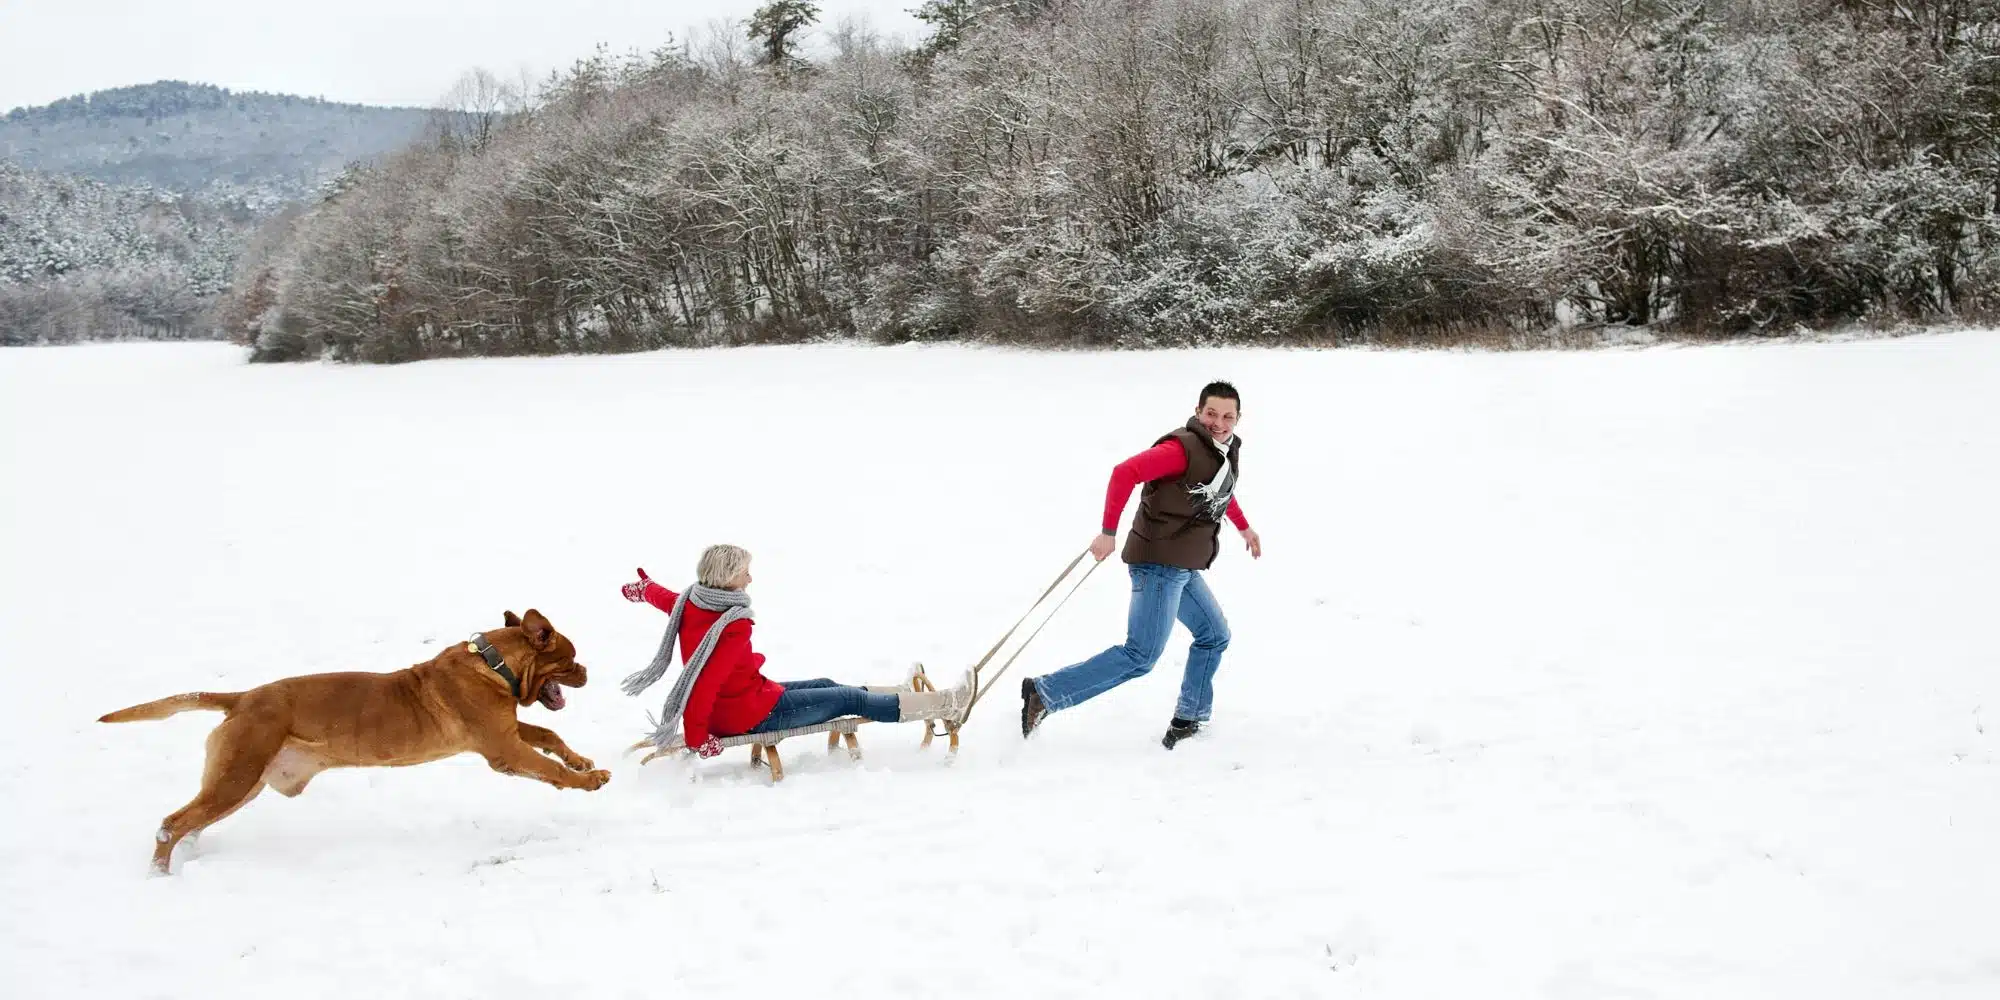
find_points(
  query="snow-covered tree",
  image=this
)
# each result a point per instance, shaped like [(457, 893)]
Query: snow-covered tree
[(1172, 171), (80, 259)]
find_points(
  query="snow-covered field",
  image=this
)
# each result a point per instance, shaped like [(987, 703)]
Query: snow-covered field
[(1663, 673)]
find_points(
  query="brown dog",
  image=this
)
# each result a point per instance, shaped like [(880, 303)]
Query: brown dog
[(461, 701)]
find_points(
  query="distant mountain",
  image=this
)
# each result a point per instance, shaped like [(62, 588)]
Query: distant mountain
[(123, 212), (190, 137)]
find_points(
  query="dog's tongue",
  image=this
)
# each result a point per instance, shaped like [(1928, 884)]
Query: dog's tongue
[(552, 695)]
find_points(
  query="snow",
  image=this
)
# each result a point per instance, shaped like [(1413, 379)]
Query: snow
[(1664, 672)]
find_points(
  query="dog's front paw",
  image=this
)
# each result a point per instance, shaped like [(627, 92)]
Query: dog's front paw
[(579, 763), (594, 780)]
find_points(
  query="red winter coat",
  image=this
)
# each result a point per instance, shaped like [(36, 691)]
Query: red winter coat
[(731, 696)]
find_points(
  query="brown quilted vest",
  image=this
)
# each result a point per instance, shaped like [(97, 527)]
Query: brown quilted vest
[(1178, 524)]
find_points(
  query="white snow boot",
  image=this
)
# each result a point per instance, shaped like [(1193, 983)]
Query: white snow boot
[(948, 705)]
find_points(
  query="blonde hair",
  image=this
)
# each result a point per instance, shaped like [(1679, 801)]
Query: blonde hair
[(720, 564)]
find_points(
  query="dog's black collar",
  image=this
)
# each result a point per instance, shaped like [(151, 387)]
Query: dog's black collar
[(492, 657)]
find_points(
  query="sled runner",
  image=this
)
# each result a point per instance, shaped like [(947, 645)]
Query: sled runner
[(764, 746)]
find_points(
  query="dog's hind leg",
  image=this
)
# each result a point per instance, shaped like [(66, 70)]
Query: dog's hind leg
[(238, 752)]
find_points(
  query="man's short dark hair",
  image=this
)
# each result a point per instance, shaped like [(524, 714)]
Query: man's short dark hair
[(1218, 390)]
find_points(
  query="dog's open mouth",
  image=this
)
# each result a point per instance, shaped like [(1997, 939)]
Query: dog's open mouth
[(551, 696)]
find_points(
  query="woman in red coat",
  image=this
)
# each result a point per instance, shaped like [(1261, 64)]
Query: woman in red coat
[(729, 694)]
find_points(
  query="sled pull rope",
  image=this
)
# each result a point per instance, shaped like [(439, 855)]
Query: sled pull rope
[(980, 689)]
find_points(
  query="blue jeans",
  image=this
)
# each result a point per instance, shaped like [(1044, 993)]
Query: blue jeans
[(1160, 596), (809, 703)]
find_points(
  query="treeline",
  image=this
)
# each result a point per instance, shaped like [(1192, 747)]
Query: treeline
[(1169, 172), (82, 260)]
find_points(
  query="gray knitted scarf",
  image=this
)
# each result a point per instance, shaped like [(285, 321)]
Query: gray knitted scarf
[(734, 605)]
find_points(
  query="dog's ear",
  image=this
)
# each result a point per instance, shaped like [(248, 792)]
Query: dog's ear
[(537, 629), (512, 619)]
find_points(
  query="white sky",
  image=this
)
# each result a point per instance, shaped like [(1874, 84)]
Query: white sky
[(404, 52)]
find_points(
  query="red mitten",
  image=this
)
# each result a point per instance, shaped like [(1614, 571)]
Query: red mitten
[(710, 748), (636, 590)]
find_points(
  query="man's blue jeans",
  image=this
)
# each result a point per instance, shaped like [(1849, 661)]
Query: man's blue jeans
[(1160, 596), (809, 703)]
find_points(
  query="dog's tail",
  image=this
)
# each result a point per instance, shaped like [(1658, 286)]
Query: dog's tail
[(198, 701)]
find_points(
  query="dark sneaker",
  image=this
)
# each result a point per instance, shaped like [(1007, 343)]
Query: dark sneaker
[(1032, 709), (1178, 730)]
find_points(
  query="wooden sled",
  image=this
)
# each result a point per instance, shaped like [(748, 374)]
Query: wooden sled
[(764, 746)]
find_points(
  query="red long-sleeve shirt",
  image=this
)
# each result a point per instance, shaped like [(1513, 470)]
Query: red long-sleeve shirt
[(1160, 461)]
